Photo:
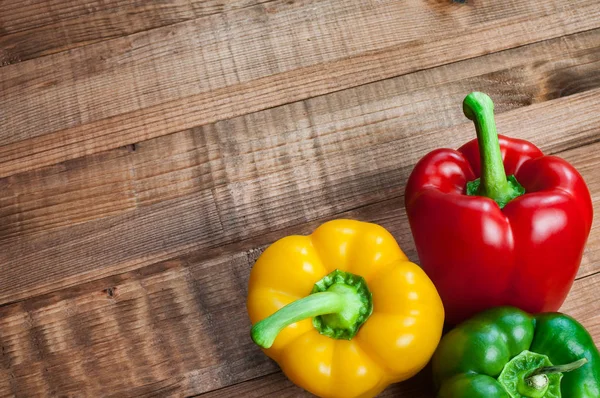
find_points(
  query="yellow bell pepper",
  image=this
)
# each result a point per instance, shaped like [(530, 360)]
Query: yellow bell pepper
[(343, 311)]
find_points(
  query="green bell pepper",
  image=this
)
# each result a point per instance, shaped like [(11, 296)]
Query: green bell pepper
[(507, 353)]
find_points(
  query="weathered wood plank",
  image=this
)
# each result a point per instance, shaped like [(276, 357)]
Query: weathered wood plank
[(67, 194), (326, 162), (167, 326), (19, 17), (42, 27), (173, 328), (110, 94), (109, 183)]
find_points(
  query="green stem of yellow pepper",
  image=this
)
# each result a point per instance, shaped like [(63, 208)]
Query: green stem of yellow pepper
[(339, 304), (265, 331)]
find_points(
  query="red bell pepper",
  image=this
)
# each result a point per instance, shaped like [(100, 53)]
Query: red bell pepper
[(486, 240)]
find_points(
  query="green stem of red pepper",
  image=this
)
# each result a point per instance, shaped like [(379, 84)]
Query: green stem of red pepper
[(493, 182)]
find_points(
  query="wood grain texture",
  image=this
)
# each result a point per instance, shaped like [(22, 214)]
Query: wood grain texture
[(37, 28), (19, 17), (150, 152), (157, 329), (107, 95)]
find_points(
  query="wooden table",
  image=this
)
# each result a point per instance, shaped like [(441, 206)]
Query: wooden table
[(150, 150)]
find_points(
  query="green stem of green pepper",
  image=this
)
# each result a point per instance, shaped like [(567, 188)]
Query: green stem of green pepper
[(538, 379)]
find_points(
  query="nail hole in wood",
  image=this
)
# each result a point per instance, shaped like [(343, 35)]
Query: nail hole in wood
[(110, 292)]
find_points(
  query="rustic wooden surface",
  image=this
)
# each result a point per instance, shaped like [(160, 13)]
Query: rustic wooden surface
[(150, 150)]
